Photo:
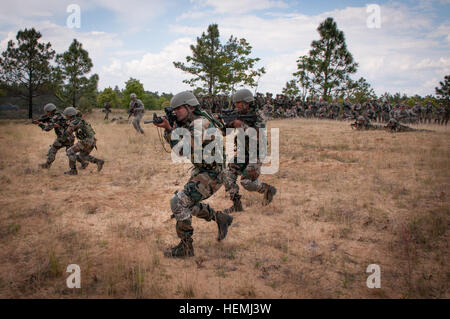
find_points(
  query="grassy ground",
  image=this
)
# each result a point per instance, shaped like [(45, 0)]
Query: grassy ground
[(346, 199)]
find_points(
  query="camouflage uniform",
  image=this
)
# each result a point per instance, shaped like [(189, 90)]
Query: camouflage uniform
[(59, 124), (249, 172), (362, 123), (394, 126), (107, 110), (138, 114), (86, 143), (205, 180), (428, 113)]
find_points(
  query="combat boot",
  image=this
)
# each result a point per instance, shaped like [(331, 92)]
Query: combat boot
[(223, 221), (100, 165), (71, 172), (269, 193), (45, 165), (183, 249), (237, 205)]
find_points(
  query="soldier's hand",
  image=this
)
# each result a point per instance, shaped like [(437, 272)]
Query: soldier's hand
[(164, 124), (236, 123), (56, 125)]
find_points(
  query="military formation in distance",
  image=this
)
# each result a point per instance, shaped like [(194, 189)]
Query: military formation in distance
[(207, 178)]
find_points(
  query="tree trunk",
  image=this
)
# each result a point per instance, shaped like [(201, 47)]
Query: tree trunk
[(30, 98)]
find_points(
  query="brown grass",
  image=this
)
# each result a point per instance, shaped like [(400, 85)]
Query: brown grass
[(345, 200)]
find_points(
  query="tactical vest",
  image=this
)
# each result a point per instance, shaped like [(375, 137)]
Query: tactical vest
[(85, 130)]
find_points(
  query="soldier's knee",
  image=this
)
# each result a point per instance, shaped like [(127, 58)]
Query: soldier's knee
[(70, 152), (178, 201)]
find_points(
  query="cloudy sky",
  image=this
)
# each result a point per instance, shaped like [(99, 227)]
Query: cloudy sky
[(408, 53)]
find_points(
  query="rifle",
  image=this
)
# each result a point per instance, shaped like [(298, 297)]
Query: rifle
[(170, 116), (42, 119), (132, 109), (229, 116)]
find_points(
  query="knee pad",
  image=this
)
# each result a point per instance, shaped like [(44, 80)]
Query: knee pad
[(250, 185), (180, 201)]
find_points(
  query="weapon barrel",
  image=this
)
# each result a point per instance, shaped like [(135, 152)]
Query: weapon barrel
[(149, 122)]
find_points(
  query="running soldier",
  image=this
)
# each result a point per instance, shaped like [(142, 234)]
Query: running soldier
[(137, 110), (86, 141), (55, 120), (249, 172), (107, 109), (205, 179)]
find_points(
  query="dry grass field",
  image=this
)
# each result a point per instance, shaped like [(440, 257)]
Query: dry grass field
[(346, 199)]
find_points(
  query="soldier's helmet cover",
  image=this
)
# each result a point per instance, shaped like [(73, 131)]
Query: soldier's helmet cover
[(50, 107), (132, 95), (244, 95), (70, 111), (183, 98)]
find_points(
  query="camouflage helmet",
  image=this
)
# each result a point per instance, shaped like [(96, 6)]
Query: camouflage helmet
[(183, 98), (50, 107), (393, 121), (70, 111), (132, 95), (244, 95), (360, 118)]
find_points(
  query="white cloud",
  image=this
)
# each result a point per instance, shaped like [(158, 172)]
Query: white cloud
[(392, 58), (155, 70), (240, 6)]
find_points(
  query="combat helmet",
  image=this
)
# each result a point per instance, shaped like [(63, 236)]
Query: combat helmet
[(70, 112), (183, 98), (50, 107), (244, 95)]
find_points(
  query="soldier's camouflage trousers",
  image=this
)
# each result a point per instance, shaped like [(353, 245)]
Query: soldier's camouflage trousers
[(186, 203), (80, 151), (136, 122), (56, 146), (249, 178)]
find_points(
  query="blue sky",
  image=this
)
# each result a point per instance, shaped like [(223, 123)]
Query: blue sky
[(409, 53)]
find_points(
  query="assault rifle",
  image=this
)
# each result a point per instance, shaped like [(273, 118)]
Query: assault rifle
[(132, 109), (229, 115), (170, 116), (44, 118)]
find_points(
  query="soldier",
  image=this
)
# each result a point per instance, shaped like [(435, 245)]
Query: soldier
[(417, 109), (54, 120), (137, 110), (86, 141), (428, 112), (378, 110), (386, 111), (446, 115), (357, 108), (107, 109), (394, 126), (249, 172), (439, 115), (205, 179), (362, 123)]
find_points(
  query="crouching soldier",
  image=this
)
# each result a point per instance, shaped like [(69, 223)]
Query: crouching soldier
[(54, 120), (205, 179), (86, 141), (249, 172)]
